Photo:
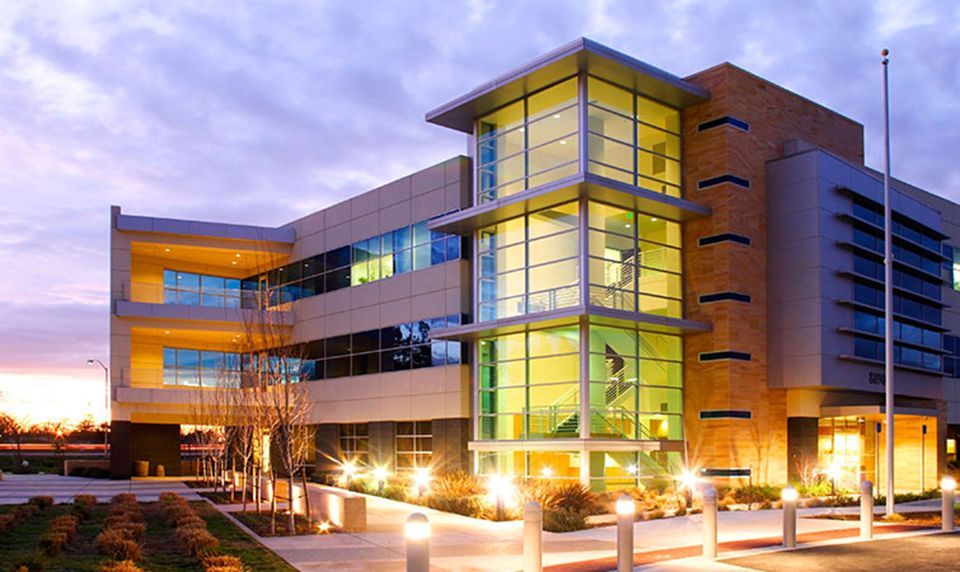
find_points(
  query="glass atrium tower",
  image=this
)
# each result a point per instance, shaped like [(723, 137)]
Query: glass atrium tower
[(577, 291)]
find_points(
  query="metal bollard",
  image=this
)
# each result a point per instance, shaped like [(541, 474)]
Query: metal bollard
[(417, 532), (948, 487), (789, 497), (532, 537), (709, 522), (866, 510), (625, 511)]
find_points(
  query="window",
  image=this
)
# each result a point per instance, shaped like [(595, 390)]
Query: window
[(399, 251), (414, 445), (528, 143), (951, 360), (634, 261), (395, 348), (191, 289), (200, 368), (355, 443), (632, 139), (530, 264)]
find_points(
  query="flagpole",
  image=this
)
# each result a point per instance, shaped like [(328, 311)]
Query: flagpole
[(888, 285)]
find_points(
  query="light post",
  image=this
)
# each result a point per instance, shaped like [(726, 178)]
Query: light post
[(866, 510), (417, 532), (947, 493), (789, 497), (106, 402), (625, 511)]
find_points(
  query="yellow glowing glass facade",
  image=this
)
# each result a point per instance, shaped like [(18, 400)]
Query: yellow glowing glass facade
[(633, 139), (529, 264), (634, 261), (529, 142)]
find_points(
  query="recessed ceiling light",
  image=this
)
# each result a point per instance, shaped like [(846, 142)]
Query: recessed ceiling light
[(556, 116), (563, 142), (237, 255), (166, 250), (629, 226), (234, 262), (654, 219), (166, 331)]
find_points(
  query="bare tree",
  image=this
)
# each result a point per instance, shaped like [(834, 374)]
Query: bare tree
[(16, 427)]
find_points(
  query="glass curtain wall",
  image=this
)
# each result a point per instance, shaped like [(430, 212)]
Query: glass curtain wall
[(529, 385), (636, 381), (634, 261), (632, 139), (530, 263), (529, 142)]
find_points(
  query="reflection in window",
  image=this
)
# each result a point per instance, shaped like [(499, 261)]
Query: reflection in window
[(529, 142), (189, 289), (355, 443), (632, 139), (394, 348), (200, 368)]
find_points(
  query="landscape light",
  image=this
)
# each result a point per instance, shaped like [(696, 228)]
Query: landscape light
[(380, 473), (500, 488), (688, 479), (547, 472), (349, 469), (421, 479), (323, 527), (632, 469)]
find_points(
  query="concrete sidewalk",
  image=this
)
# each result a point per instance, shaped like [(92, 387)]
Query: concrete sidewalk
[(461, 543), (16, 489)]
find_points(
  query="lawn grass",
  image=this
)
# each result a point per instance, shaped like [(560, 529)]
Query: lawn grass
[(160, 551)]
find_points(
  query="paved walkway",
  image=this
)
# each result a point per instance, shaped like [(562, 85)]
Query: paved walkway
[(16, 489), (461, 543)]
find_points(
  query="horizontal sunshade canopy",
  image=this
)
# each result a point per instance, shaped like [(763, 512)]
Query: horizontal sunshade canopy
[(592, 186), (579, 55)]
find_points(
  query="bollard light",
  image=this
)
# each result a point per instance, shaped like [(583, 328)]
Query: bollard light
[(789, 496), (866, 510), (417, 532), (532, 537), (709, 522), (626, 508), (948, 486)]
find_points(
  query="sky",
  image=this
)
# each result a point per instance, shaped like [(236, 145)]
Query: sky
[(262, 112)]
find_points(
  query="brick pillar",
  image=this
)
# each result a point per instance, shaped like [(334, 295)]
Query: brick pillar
[(383, 443), (450, 437), (801, 446), (328, 448)]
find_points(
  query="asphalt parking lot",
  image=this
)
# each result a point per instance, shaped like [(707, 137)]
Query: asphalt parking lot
[(930, 552)]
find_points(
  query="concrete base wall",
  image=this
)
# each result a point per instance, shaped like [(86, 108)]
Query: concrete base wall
[(450, 437), (158, 444)]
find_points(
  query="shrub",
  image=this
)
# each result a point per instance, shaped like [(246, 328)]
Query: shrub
[(652, 514), (124, 498), (397, 492), (134, 531), (42, 502), (168, 497), (564, 519), (222, 564), (25, 511), (472, 506), (756, 494), (191, 520), (572, 496), (52, 542), (122, 566), (115, 543), (29, 563), (457, 484), (66, 524), (6, 522), (196, 541)]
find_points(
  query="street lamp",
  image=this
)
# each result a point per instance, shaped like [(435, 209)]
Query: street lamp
[(106, 401)]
